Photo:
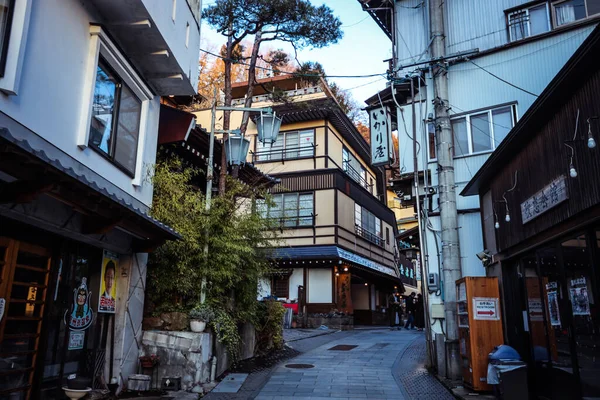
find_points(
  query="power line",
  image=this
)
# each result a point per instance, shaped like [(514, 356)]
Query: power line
[(295, 73), (503, 80), (356, 23)]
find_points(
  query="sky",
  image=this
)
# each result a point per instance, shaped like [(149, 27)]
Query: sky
[(360, 52)]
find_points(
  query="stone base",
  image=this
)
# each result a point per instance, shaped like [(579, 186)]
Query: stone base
[(182, 354), (342, 323)]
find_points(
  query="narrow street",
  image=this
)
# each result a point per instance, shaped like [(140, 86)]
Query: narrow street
[(371, 364)]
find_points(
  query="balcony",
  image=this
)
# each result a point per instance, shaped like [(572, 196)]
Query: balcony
[(356, 176), (290, 153), (369, 236), (161, 40)]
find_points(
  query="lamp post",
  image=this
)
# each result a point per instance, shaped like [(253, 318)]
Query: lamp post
[(236, 148)]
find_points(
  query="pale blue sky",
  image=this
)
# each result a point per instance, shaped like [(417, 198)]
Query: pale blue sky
[(360, 52)]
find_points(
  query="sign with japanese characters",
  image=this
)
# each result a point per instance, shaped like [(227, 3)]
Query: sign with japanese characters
[(76, 340), (547, 198), (381, 136), (355, 258), (486, 308), (108, 287)]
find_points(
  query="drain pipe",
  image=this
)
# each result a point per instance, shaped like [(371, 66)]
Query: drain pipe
[(213, 369)]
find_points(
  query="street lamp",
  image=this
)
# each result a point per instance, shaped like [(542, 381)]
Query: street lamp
[(268, 127), (236, 148)]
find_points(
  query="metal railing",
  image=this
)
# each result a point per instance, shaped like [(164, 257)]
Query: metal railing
[(369, 236), (355, 175), (288, 153)]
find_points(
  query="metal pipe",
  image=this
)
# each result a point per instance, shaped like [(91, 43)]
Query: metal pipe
[(213, 369)]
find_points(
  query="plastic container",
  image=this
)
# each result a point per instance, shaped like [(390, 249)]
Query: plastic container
[(508, 373)]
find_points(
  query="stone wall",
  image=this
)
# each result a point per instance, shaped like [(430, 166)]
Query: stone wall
[(182, 354), (342, 323)]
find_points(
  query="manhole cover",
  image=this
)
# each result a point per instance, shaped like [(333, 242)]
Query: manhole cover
[(343, 347), (299, 366)]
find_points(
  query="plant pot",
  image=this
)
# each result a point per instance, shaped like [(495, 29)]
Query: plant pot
[(197, 326)]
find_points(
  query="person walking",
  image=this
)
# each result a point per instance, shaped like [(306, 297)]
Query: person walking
[(419, 312), (410, 311), (395, 310)]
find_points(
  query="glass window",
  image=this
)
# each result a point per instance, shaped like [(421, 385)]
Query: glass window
[(502, 124), (480, 130), (569, 11), (538, 20), (288, 145), (528, 22), (293, 209), (367, 225), (115, 121), (354, 168), (6, 11), (461, 139)]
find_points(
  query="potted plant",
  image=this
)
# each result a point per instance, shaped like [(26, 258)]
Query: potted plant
[(199, 316)]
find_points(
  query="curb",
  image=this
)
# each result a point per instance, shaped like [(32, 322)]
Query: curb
[(312, 336)]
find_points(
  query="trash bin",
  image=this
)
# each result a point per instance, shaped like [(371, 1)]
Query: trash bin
[(507, 373)]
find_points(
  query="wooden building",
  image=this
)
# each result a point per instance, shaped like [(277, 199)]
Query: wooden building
[(338, 249), (540, 198)]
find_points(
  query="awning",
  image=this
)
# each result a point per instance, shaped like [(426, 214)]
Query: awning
[(51, 171)]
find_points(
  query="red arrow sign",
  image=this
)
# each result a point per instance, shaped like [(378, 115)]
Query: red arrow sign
[(485, 312)]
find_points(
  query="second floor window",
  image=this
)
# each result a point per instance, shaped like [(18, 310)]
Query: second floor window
[(289, 145), (6, 11), (367, 225), (115, 122), (569, 11), (481, 132), (529, 22), (291, 209), (354, 168)]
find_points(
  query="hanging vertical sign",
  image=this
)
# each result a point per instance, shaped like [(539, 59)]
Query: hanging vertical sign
[(108, 287), (381, 136), (553, 310)]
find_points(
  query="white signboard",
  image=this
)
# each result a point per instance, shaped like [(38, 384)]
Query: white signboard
[(76, 340), (382, 148), (547, 198), (535, 310), (486, 308)]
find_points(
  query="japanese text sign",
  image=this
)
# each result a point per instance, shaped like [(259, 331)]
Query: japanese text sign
[(381, 136), (486, 308), (547, 198)]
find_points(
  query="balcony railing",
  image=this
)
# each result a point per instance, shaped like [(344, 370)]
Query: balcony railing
[(306, 221), (289, 153), (355, 175), (369, 236)]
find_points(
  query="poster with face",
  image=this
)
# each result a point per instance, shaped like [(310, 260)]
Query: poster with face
[(108, 287)]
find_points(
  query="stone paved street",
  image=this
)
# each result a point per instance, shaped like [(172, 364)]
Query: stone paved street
[(383, 365)]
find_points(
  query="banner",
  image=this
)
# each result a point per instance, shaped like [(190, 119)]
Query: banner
[(382, 149), (108, 283)]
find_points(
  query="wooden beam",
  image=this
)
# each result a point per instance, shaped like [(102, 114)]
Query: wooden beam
[(146, 246), (24, 191), (98, 225)]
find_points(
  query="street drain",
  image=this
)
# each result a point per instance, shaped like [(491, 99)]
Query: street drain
[(299, 366), (343, 347)]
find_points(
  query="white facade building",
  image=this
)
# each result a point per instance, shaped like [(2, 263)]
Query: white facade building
[(80, 89), (513, 49)]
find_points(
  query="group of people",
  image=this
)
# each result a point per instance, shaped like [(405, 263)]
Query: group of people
[(415, 318)]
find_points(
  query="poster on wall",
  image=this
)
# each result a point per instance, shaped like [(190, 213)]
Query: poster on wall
[(579, 297), (553, 309), (108, 287), (76, 340), (535, 310), (81, 317)]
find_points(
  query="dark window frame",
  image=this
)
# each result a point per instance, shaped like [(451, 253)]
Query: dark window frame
[(6, 38), (283, 278), (284, 221), (110, 156), (265, 154)]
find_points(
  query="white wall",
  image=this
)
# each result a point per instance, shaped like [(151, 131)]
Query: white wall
[(360, 296), (319, 285), (296, 279), (51, 91), (173, 33)]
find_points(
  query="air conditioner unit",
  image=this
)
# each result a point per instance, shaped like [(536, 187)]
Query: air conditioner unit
[(426, 191)]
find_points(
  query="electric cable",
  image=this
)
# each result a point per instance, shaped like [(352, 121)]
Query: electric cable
[(504, 80)]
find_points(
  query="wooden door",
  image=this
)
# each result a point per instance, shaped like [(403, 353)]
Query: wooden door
[(23, 286)]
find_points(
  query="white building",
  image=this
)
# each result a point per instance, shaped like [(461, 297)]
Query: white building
[(514, 48), (80, 88)]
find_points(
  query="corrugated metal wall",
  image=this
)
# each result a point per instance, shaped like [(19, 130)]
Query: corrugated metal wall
[(412, 31)]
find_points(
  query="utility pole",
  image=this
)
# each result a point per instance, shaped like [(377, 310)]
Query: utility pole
[(448, 210)]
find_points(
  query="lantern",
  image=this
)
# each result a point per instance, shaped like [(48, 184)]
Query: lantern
[(236, 148), (268, 127)]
